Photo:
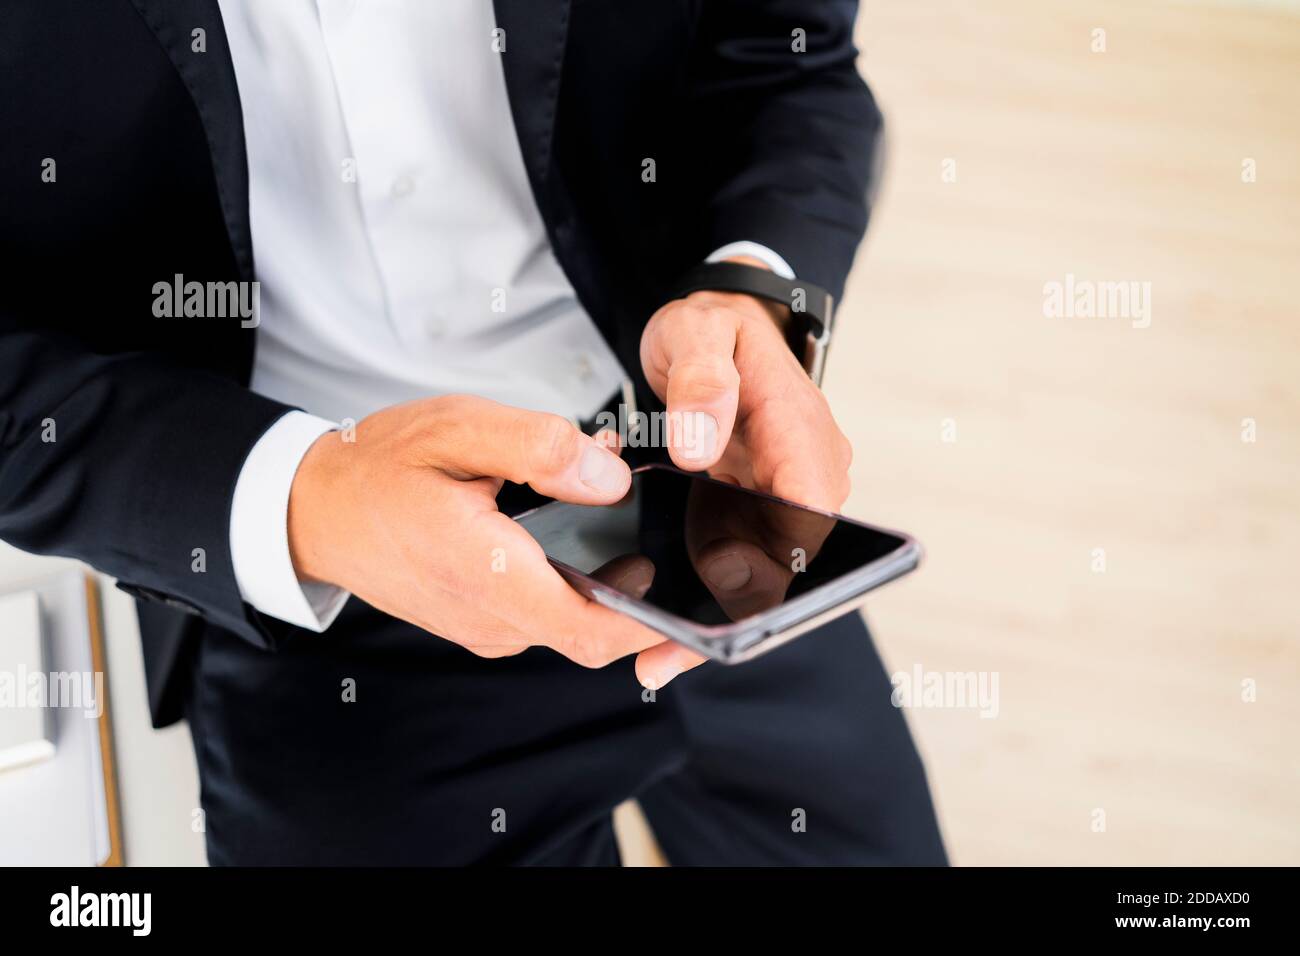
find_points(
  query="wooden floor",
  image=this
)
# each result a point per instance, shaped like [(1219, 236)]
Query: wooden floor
[(1121, 690)]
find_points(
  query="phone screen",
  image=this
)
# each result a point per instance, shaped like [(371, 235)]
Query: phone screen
[(705, 551)]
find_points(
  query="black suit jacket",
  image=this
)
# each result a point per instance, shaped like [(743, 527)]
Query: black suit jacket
[(151, 418)]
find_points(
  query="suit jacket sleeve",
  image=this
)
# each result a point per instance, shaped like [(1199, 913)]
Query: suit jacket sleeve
[(793, 136), (128, 463)]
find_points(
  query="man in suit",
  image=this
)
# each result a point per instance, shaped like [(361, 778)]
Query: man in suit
[(468, 218)]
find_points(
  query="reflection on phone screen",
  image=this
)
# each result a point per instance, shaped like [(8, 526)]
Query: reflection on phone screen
[(703, 550)]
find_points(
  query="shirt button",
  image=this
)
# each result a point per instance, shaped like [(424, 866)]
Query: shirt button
[(582, 366), (403, 186), (437, 329)]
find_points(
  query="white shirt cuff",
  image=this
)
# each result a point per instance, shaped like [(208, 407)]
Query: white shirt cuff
[(760, 252), (259, 528)]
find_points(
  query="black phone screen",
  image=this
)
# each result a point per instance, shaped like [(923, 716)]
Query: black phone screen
[(703, 550)]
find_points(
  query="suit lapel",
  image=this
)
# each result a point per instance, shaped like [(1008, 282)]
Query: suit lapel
[(535, 33), (210, 78)]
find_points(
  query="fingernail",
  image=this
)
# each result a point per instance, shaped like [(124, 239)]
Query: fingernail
[(699, 437), (636, 589), (601, 471), (660, 675), (728, 572)]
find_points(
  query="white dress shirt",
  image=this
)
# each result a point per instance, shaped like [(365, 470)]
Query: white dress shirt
[(398, 246)]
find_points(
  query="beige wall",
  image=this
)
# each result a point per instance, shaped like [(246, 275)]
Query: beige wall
[(1120, 690)]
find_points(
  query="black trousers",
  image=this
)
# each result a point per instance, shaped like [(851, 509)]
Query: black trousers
[(375, 743)]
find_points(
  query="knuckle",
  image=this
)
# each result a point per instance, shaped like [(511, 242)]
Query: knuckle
[(706, 376), (700, 308), (587, 656), (713, 324), (443, 420), (603, 651), (656, 327), (582, 651), (451, 409), (691, 309), (446, 403), (601, 657), (553, 444), (846, 450)]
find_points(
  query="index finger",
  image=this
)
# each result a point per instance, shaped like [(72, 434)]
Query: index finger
[(533, 597)]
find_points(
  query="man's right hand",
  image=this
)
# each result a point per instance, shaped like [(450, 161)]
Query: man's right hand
[(405, 518)]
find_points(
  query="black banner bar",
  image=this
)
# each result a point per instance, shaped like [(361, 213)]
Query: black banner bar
[(203, 906)]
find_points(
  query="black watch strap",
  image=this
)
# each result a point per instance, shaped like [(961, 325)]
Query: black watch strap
[(811, 307)]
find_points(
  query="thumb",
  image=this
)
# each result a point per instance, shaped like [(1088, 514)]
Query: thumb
[(544, 451), (657, 665), (702, 386)]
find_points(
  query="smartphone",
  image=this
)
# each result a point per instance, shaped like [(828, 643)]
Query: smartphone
[(726, 571)]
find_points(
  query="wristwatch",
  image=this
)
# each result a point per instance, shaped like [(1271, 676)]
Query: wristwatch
[(811, 307)]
